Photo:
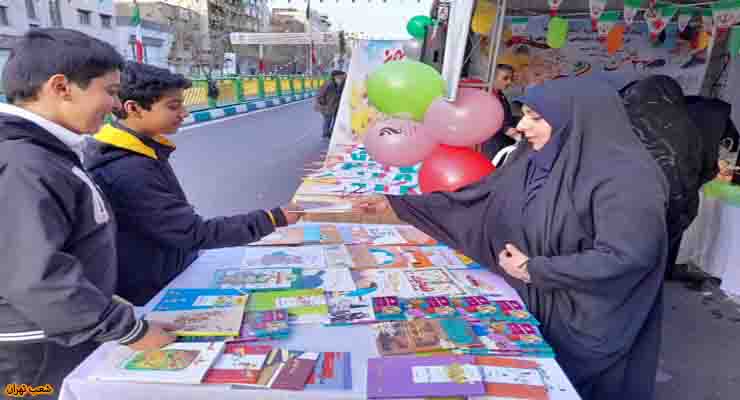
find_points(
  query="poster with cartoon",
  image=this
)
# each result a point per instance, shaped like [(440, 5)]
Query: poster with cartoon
[(682, 55)]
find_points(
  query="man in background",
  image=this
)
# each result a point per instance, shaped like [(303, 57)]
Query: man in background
[(507, 135), (327, 102)]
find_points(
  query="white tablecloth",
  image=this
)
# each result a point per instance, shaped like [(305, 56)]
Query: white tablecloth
[(712, 242), (359, 340)]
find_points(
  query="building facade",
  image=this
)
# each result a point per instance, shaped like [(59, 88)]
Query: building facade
[(96, 18), (157, 39)]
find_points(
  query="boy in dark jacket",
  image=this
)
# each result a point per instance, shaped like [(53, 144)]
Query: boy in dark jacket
[(159, 232), (57, 234)]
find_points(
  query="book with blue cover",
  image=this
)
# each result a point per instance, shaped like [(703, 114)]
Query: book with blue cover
[(258, 279), (202, 312)]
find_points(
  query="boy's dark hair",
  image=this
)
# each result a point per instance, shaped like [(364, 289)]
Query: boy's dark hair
[(146, 84), (504, 68), (43, 53)]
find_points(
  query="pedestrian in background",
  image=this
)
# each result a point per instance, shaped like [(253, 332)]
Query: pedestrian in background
[(327, 102)]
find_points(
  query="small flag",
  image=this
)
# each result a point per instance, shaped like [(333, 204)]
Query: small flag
[(139, 43)]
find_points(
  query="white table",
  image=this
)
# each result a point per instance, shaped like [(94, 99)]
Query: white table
[(712, 242), (358, 340)]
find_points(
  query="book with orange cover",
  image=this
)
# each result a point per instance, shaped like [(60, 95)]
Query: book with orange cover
[(512, 378), (364, 256)]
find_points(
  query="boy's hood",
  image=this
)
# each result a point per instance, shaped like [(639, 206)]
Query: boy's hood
[(115, 141)]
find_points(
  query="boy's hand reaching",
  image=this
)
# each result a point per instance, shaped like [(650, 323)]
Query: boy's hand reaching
[(157, 336), (292, 213)]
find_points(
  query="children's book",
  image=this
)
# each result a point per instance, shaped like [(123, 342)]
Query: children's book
[(431, 307), (337, 256), (349, 310), (364, 256), (331, 280), (513, 311), (511, 339), (425, 336), (301, 235), (433, 281), (475, 307), (389, 308), (287, 369), (324, 207), (202, 312), (512, 378), (304, 306), (374, 235), (240, 363), (444, 256), (416, 377), (295, 257), (265, 325), (333, 371), (478, 281), (383, 282), (184, 363), (414, 236), (257, 279)]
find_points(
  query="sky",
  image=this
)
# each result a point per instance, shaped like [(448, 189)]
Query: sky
[(373, 17)]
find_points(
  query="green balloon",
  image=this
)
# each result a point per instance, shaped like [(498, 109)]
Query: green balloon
[(557, 32), (417, 26), (404, 88)]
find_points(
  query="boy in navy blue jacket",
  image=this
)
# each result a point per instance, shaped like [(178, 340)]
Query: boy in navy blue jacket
[(57, 234), (159, 232)]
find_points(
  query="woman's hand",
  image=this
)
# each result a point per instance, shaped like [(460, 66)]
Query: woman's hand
[(370, 205), (514, 262)]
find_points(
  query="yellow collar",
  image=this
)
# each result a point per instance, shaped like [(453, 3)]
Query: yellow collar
[(125, 140)]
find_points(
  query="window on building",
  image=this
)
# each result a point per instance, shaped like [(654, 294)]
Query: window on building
[(106, 21), (84, 17), (55, 13), (31, 9), (4, 16)]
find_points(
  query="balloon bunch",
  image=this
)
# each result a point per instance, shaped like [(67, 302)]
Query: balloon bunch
[(421, 126)]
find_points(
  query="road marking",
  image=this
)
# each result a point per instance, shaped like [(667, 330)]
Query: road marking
[(207, 123)]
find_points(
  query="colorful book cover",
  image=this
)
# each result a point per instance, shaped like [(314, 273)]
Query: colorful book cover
[(329, 234), (331, 280), (389, 308), (364, 256), (478, 282), (415, 237), (184, 363), (511, 338), (297, 257), (349, 310), (289, 236), (383, 282), (374, 235), (263, 325), (513, 311), (512, 379), (202, 312), (410, 376), (304, 306), (431, 307), (408, 337), (333, 371), (257, 279), (447, 257), (287, 369), (478, 307), (337, 256), (426, 336), (435, 281), (240, 363)]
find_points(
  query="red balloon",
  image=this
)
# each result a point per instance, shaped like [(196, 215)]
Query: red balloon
[(449, 168)]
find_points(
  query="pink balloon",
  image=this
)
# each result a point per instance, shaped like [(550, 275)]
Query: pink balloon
[(398, 142), (474, 117)]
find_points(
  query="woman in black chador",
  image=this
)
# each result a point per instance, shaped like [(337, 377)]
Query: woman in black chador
[(576, 222)]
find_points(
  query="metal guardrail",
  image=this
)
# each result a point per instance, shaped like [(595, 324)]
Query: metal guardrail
[(240, 89)]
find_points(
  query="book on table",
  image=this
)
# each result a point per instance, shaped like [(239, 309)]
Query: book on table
[(202, 312)]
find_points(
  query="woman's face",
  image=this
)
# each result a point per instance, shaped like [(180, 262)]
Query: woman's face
[(534, 128)]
